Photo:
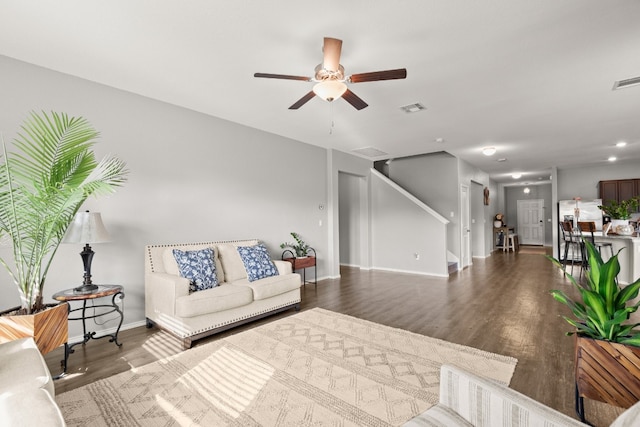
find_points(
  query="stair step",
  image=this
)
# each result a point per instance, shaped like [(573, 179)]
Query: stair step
[(453, 267)]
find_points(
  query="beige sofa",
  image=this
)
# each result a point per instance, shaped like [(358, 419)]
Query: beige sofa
[(26, 387), (170, 305), (469, 400)]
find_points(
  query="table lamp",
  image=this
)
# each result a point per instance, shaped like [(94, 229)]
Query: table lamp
[(87, 227)]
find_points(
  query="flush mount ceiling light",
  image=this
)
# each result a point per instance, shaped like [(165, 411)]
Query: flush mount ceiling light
[(621, 144), (612, 158), (330, 89), (516, 175), (489, 151)]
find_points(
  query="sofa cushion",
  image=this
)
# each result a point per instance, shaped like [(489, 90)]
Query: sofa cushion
[(257, 262), (198, 266), (30, 408), (272, 286), (20, 357), (213, 300), (629, 418), (230, 259), (171, 266)]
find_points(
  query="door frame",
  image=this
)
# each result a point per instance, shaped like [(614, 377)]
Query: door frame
[(465, 229)]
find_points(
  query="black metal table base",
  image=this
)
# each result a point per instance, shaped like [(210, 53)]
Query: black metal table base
[(87, 336)]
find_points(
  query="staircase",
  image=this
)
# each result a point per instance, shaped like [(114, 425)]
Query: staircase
[(453, 267)]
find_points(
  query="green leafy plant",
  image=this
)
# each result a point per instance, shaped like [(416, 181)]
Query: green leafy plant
[(42, 186), (300, 247), (620, 210), (604, 306)]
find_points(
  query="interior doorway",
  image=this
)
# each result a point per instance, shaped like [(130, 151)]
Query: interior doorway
[(531, 221), (352, 220), (465, 227)]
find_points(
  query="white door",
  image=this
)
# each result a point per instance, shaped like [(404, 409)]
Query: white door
[(465, 227), (531, 222)]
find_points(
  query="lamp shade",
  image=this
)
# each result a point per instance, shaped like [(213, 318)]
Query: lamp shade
[(330, 89), (87, 227)]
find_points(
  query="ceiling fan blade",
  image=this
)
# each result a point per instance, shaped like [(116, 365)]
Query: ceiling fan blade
[(331, 50), (282, 76), (354, 100), (302, 101), (400, 73)]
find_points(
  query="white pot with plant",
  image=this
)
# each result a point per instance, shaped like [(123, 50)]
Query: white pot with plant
[(299, 246), (620, 213)]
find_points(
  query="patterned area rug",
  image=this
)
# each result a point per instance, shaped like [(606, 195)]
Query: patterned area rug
[(316, 367)]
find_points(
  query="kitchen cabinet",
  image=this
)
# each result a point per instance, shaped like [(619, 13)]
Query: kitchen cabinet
[(619, 189)]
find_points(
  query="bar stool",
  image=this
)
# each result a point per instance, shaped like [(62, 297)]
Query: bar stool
[(571, 241), (510, 242), (589, 227)]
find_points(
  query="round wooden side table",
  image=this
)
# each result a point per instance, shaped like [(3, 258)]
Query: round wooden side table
[(88, 312)]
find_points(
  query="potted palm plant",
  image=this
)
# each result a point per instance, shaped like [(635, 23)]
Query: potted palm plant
[(42, 186), (607, 355)]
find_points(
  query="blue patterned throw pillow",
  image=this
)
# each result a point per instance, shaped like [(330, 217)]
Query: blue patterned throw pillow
[(257, 262), (197, 266)]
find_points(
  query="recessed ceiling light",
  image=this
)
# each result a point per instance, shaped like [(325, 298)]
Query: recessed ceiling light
[(612, 159), (439, 140), (516, 175), (489, 151), (502, 159), (621, 144)]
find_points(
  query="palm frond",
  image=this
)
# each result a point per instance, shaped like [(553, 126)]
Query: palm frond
[(42, 186)]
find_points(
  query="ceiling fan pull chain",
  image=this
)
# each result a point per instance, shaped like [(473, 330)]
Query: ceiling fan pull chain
[(332, 123)]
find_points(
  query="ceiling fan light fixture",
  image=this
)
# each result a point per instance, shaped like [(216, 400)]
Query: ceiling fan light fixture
[(330, 89)]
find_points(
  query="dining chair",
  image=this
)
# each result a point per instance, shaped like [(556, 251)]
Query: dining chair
[(587, 228), (571, 242)]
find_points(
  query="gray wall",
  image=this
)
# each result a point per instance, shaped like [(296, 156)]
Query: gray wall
[(405, 236), (433, 178), (583, 182), (193, 178)]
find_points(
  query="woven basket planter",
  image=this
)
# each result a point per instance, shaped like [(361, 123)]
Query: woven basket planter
[(49, 328), (608, 372)]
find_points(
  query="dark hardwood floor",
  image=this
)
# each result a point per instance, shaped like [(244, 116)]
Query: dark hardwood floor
[(500, 304)]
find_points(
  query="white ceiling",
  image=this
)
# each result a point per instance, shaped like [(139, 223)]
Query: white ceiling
[(532, 78)]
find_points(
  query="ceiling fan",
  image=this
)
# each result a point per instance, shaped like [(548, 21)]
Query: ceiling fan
[(331, 82)]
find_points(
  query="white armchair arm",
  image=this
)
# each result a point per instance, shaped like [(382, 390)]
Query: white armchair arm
[(466, 399)]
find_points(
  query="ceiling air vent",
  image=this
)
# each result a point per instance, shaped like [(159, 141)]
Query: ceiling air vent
[(413, 108), (621, 84), (369, 152)]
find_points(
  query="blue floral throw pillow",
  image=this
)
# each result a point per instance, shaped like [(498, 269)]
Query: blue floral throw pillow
[(257, 262), (197, 266)]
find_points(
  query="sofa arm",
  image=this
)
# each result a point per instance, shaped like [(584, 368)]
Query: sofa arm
[(161, 292), (484, 402), (284, 267)]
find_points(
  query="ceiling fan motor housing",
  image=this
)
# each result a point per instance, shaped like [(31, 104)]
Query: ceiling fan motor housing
[(323, 74)]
